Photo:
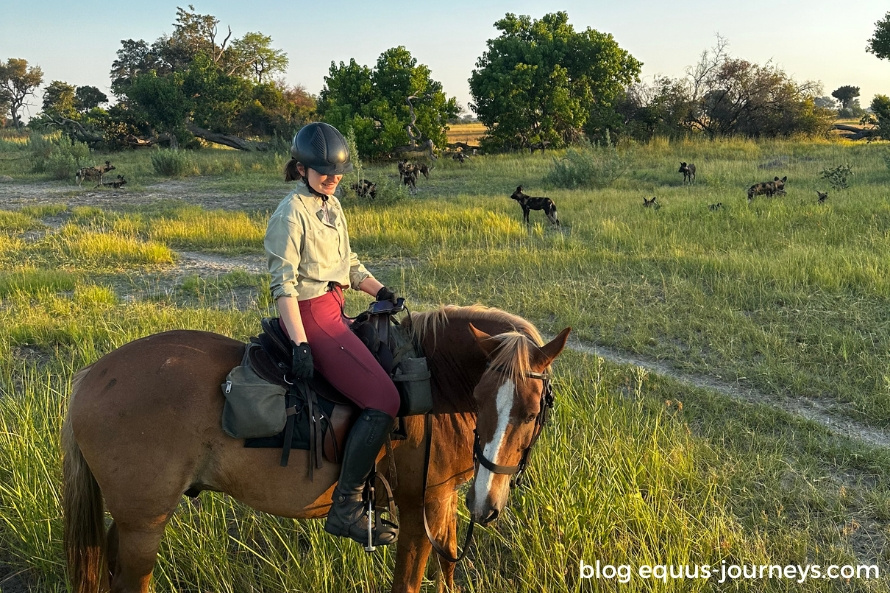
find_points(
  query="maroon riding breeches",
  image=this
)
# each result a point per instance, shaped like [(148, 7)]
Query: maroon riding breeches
[(342, 358)]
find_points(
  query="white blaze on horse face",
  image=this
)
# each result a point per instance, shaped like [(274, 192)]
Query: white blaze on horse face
[(484, 477)]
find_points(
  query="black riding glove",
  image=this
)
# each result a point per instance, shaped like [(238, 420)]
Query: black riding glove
[(385, 294), (302, 366)]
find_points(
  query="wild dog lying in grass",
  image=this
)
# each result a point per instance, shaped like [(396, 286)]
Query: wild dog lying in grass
[(93, 172), (365, 189), (715, 207), (651, 203), (688, 172), (529, 203), (116, 184), (768, 188), (822, 196)]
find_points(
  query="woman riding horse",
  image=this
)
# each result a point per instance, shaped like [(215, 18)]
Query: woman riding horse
[(311, 263)]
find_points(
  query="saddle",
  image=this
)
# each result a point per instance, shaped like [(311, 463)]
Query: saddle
[(318, 417)]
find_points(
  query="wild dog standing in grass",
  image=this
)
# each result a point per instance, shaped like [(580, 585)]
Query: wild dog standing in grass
[(93, 172), (822, 196), (768, 188), (529, 203), (688, 172)]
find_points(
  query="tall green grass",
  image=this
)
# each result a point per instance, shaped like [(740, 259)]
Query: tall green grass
[(784, 295)]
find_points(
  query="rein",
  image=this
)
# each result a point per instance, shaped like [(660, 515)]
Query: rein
[(515, 470)]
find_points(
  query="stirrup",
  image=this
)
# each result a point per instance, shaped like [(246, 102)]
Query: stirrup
[(350, 526)]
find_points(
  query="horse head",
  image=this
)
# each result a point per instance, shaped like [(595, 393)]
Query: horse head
[(513, 398)]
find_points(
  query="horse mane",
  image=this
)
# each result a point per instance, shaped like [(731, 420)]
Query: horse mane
[(512, 356)]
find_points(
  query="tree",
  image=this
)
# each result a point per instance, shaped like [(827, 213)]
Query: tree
[(17, 82), (880, 107), (88, 97), (395, 104), (195, 82), (254, 54), (59, 99), (541, 81), (879, 44), (846, 95)]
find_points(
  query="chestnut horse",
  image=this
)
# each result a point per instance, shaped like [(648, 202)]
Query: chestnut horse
[(143, 427)]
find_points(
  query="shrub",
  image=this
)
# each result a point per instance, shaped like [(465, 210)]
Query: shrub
[(57, 156), (837, 176), (588, 166), (173, 163)]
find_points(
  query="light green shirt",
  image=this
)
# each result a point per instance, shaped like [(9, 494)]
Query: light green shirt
[(306, 249)]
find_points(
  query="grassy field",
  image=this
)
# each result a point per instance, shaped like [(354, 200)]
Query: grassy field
[(783, 296)]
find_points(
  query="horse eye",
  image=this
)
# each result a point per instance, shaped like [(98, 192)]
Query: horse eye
[(529, 419)]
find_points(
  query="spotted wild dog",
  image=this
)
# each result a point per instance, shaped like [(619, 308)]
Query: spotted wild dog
[(715, 207), (528, 203), (651, 203), (365, 189), (93, 172), (822, 196), (768, 188), (688, 172), (116, 184)]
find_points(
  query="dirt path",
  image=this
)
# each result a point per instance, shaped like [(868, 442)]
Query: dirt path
[(15, 195)]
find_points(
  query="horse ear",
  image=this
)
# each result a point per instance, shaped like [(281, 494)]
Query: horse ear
[(553, 348), (485, 341)]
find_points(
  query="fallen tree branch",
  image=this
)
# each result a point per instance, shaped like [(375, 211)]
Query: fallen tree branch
[(227, 139)]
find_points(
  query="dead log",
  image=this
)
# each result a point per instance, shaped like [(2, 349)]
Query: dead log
[(228, 139)]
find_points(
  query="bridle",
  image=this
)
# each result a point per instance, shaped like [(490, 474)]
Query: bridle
[(543, 416), (516, 471)]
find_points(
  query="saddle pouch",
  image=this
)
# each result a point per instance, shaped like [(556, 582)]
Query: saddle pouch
[(254, 407), (412, 379)]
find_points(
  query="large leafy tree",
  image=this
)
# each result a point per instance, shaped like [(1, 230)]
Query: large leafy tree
[(17, 82), (846, 95), (198, 80), (394, 105), (542, 81), (879, 44)]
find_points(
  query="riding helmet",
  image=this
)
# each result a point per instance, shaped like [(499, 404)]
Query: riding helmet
[(322, 147)]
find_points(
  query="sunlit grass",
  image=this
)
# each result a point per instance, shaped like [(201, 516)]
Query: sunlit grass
[(784, 295)]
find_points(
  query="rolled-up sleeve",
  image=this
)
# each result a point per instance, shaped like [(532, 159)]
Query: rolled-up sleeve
[(357, 271)]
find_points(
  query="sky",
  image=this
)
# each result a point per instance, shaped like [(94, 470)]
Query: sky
[(810, 40)]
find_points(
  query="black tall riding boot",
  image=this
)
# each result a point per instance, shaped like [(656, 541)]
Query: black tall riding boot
[(348, 514)]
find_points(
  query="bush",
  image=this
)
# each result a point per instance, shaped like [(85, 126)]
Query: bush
[(837, 176), (57, 156), (173, 163), (588, 166)]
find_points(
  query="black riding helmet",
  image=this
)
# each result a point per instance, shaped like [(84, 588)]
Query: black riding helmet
[(322, 147)]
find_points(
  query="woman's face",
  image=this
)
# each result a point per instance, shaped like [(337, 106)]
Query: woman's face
[(323, 184)]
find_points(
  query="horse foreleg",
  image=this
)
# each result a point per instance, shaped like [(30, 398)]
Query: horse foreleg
[(414, 545), (412, 551), (134, 557), (446, 511)]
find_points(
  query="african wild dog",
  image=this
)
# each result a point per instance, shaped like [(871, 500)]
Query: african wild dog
[(93, 172), (365, 189), (768, 188), (688, 172), (715, 207), (116, 184), (651, 203), (822, 196), (529, 203)]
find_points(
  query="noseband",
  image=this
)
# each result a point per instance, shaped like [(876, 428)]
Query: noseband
[(517, 471)]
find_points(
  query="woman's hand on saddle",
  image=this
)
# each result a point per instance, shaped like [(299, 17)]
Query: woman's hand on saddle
[(302, 365), (385, 294)]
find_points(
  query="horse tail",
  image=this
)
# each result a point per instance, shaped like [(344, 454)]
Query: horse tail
[(84, 512)]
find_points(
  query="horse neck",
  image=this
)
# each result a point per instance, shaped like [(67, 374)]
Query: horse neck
[(456, 364)]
